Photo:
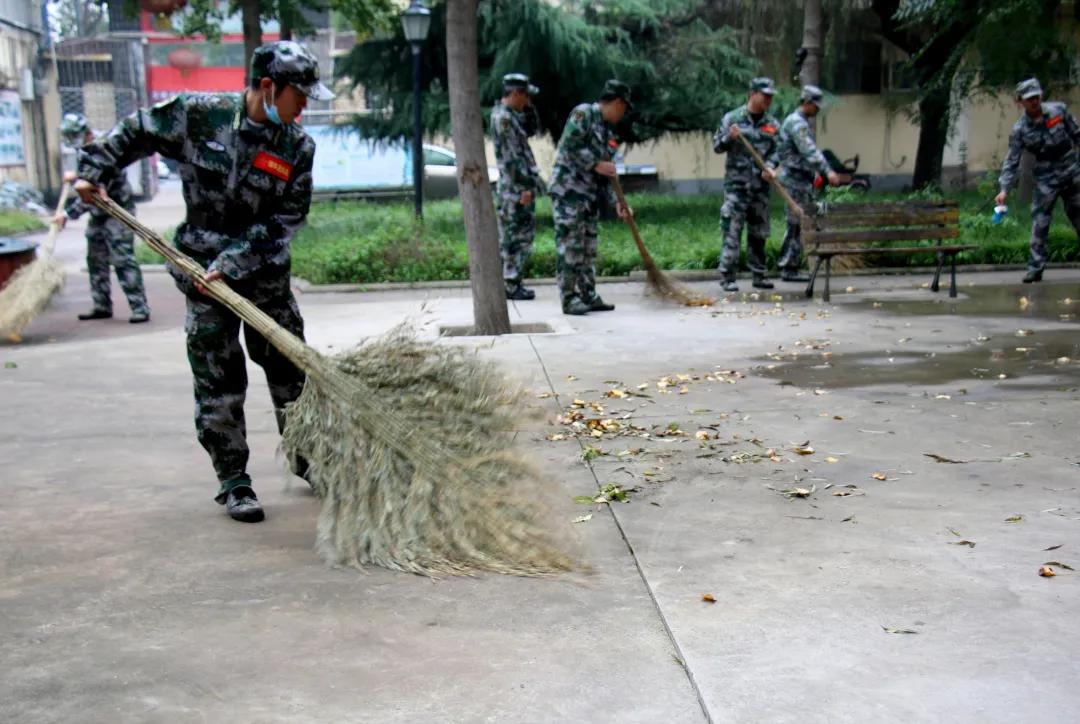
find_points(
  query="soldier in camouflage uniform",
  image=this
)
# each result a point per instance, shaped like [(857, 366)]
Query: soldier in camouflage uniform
[(800, 161), (246, 171), (746, 190), (583, 163), (1051, 134), (513, 120), (108, 242)]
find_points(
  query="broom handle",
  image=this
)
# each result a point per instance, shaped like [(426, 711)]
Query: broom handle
[(645, 255), (773, 180), (286, 342), (54, 228)]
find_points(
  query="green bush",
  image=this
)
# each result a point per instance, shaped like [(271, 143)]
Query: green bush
[(369, 242), (18, 222)]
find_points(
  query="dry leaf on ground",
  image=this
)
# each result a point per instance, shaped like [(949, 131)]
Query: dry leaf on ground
[(890, 629), (1047, 572), (880, 476), (708, 598)]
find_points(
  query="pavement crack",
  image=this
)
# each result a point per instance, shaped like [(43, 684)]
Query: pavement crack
[(681, 656)]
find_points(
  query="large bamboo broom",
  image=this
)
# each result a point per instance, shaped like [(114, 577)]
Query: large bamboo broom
[(658, 282), (408, 446), (30, 289)]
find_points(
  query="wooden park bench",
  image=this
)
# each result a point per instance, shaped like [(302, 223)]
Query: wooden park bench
[(861, 229)]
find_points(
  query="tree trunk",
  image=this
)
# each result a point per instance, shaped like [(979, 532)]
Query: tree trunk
[(811, 40), (481, 231), (285, 13), (250, 21), (933, 135)]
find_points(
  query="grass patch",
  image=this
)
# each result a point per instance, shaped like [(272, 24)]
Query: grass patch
[(19, 222), (368, 242)]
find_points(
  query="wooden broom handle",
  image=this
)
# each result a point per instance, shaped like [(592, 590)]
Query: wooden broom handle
[(54, 228), (773, 180), (630, 219)]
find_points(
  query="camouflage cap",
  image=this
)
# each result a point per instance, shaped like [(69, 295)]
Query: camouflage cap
[(518, 81), (288, 63), (811, 93), (763, 85), (617, 89), (73, 125), (1028, 89)]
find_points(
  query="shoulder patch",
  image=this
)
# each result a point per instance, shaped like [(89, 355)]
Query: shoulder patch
[(1051, 122), (769, 129), (504, 122), (578, 116)]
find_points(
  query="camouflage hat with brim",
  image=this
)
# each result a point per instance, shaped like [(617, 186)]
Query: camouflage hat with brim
[(73, 125), (289, 63), (518, 81), (763, 85), (617, 89), (1028, 89), (812, 94)]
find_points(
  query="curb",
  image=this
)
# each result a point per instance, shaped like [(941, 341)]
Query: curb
[(685, 275)]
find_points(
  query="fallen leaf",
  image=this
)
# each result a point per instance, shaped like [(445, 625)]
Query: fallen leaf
[(616, 393), (1014, 518), (582, 518), (889, 629), (702, 434), (543, 395), (803, 449), (969, 544), (1059, 564), (1025, 332), (10, 365), (850, 290), (831, 460), (880, 476), (708, 598), (571, 378), (955, 532), (556, 437), (585, 499), (1053, 548), (849, 519), (1047, 572), (591, 453), (821, 392), (1024, 302)]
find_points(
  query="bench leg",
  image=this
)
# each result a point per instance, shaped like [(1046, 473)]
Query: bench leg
[(813, 277), (936, 285), (952, 275), (825, 297)]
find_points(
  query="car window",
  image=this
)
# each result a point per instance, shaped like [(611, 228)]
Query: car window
[(437, 158)]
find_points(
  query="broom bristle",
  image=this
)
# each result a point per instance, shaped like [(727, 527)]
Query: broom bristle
[(663, 285), (446, 496), (28, 292)]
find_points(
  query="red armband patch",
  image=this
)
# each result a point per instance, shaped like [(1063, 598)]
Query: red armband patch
[(771, 130), (1050, 123), (612, 143), (273, 165)]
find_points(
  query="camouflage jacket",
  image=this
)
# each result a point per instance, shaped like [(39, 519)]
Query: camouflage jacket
[(586, 141), (1052, 140), (247, 187), (118, 189), (518, 171), (764, 136), (800, 158)]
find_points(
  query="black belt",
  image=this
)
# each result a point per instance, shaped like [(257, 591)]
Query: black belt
[(216, 224)]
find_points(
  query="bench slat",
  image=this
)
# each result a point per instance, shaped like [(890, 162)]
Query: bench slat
[(860, 236), (910, 217), (892, 250), (846, 209)]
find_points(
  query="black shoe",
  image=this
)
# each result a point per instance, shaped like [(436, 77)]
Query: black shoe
[(139, 318), (729, 285), (243, 505), (596, 304), (1033, 276), (520, 294), (575, 306), (760, 282), (96, 314), (794, 276)]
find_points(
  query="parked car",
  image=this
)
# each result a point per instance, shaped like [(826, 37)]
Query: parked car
[(348, 165)]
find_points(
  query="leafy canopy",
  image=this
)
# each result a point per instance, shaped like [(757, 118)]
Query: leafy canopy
[(684, 73)]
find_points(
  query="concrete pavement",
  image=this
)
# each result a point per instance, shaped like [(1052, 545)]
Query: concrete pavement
[(129, 596)]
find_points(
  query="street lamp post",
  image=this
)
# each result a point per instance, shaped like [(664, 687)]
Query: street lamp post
[(415, 21)]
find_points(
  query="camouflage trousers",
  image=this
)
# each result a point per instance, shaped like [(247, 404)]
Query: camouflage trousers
[(744, 207), (219, 370), (791, 254), (576, 243), (110, 244), (1042, 210), (517, 227)]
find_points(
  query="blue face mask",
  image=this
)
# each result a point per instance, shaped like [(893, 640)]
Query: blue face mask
[(271, 111)]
